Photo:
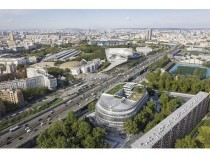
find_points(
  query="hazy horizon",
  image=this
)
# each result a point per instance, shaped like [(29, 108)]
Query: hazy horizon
[(103, 19)]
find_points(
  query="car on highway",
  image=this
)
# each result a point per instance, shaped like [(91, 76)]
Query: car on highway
[(40, 119), (20, 138), (42, 124), (69, 101), (28, 130)]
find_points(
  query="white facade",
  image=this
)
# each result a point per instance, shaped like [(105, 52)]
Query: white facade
[(144, 50), (193, 59), (21, 60), (48, 80), (86, 67), (112, 112), (194, 48), (118, 54), (75, 71)]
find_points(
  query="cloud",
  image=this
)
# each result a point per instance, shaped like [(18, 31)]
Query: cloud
[(128, 18)]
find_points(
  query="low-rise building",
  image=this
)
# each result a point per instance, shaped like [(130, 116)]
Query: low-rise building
[(144, 50), (48, 80), (15, 60), (86, 67), (36, 77), (8, 68)]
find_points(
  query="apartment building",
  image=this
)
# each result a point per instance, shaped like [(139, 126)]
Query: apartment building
[(176, 125), (14, 96)]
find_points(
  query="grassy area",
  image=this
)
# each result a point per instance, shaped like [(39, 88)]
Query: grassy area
[(117, 96), (115, 89), (23, 116), (185, 70)]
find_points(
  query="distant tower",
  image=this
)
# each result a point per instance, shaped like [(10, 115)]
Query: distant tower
[(11, 37), (148, 34)]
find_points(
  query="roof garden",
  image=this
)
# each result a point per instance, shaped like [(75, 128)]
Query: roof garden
[(127, 90), (115, 89), (137, 93)]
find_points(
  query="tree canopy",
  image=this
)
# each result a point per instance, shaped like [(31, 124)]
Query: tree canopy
[(72, 133)]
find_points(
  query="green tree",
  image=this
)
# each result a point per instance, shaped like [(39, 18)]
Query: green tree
[(83, 130), (71, 118), (89, 142), (164, 98), (187, 142), (91, 106), (130, 127)]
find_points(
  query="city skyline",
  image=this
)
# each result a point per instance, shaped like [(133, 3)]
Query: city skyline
[(107, 19)]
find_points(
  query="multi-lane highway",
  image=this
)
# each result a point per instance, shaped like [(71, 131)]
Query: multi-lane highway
[(20, 136)]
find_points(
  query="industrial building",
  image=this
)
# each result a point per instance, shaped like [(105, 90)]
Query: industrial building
[(113, 110), (176, 125), (63, 55)]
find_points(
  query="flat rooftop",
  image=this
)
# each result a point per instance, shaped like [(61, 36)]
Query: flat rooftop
[(153, 136)]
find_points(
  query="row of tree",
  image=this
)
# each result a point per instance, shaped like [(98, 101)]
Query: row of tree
[(134, 125), (147, 118), (34, 93), (179, 83), (161, 63), (72, 133), (168, 105), (58, 72)]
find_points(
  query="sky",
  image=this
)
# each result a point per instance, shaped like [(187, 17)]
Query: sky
[(104, 18)]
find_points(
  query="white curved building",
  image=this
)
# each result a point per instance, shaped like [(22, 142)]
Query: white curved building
[(120, 104), (117, 56)]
